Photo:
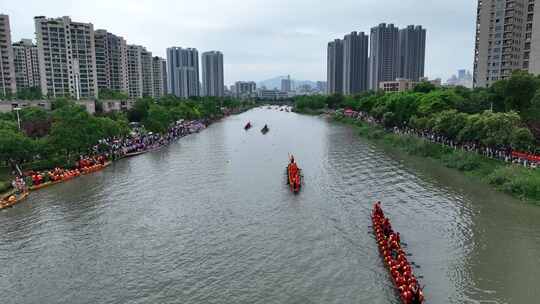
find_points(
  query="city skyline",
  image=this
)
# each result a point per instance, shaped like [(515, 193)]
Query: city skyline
[(246, 40)]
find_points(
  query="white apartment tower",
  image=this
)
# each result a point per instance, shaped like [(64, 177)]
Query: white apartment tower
[(147, 68), (26, 64), (135, 78), (158, 64), (507, 40), (67, 57), (183, 72), (212, 74), (111, 62), (7, 69)]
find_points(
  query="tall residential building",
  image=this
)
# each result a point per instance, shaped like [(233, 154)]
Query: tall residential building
[(412, 52), (355, 63), (7, 68), (67, 57), (507, 40), (147, 68), (26, 64), (212, 74), (164, 76), (335, 67), (111, 61), (135, 73), (286, 84), (183, 72), (158, 64), (384, 55)]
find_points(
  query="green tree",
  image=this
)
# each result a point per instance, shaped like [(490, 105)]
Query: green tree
[(36, 122), (424, 87), (521, 139), (520, 90), (15, 146), (158, 119), (139, 112)]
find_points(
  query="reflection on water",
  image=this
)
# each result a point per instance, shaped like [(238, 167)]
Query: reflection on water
[(210, 220)]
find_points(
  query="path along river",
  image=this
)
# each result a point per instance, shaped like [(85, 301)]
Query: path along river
[(210, 220)]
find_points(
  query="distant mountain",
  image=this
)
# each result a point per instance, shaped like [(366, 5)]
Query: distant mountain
[(275, 83)]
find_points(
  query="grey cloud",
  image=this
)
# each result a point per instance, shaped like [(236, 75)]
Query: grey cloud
[(264, 38)]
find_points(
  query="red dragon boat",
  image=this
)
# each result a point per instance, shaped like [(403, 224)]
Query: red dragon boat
[(294, 176), (395, 259)]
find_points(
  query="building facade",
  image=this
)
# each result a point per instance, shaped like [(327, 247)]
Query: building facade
[(135, 73), (355, 63), (245, 89), (111, 62), (335, 67), (384, 55), (412, 52), (147, 68), (8, 83), (164, 77), (287, 84), (157, 67), (183, 72), (507, 40), (402, 84), (67, 58), (26, 64), (212, 74)]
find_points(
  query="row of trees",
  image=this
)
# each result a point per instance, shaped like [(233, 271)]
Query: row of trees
[(60, 135), (505, 115)]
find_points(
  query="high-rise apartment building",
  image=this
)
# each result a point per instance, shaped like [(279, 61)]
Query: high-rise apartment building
[(384, 55), (158, 64), (26, 64), (135, 73), (164, 77), (67, 57), (412, 52), (111, 61), (7, 68), (355, 63), (212, 74), (507, 40), (147, 68), (183, 72), (335, 67)]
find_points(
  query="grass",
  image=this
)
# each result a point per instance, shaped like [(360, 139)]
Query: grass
[(512, 179)]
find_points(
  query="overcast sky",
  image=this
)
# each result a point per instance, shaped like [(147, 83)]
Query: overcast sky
[(261, 39)]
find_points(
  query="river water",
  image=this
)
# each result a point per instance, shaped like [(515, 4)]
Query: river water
[(209, 219)]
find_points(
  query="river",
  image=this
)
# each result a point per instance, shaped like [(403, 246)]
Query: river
[(209, 219)]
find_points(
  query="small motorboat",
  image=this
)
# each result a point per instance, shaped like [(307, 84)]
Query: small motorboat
[(247, 126), (265, 129), (395, 258)]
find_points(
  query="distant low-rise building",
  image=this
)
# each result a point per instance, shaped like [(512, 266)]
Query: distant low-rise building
[(402, 85), (245, 89), (272, 94), (117, 105), (7, 106)]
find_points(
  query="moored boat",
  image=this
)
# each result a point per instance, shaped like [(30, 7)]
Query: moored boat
[(265, 129), (395, 259), (247, 126), (12, 200)]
